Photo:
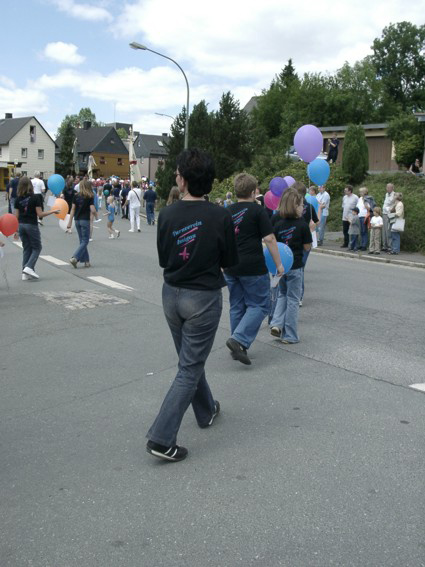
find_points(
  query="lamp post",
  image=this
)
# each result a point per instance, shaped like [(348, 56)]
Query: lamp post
[(167, 115), (135, 45)]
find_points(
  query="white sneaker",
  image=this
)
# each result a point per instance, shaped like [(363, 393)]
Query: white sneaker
[(118, 233), (301, 303), (131, 230), (25, 277), (30, 272), (90, 239), (111, 236)]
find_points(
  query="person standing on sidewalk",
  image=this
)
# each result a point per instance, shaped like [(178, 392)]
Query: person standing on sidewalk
[(249, 281), (376, 224), (349, 201), (28, 209), (195, 240), (150, 197), (389, 203), (399, 215), (324, 201)]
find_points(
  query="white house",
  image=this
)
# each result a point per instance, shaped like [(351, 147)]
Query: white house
[(25, 147)]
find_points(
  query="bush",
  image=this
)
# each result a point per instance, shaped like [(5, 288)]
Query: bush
[(355, 157), (408, 149)]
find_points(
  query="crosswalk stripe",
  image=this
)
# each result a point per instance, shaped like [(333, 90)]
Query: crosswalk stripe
[(110, 283), (54, 260), (419, 387)]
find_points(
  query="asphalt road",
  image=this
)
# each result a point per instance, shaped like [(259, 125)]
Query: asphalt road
[(317, 458)]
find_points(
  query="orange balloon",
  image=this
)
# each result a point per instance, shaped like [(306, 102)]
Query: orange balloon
[(62, 206), (8, 224)]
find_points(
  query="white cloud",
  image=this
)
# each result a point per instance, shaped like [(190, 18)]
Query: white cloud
[(23, 102), (61, 52), (83, 11)]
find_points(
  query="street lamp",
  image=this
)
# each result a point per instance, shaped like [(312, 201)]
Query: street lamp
[(135, 45), (167, 115)]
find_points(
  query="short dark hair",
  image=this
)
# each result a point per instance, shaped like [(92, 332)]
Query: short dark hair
[(197, 168), (349, 188), (245, 185), (356, 209)]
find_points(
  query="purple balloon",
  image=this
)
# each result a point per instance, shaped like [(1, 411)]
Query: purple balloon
[(308, 142), (277, 186), (289, 180)]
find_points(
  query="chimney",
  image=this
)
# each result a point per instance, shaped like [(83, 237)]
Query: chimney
[(164, 135), (87, 124), (8, 115)]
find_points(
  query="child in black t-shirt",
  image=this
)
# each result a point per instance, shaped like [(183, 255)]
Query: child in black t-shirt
[(292, 230)]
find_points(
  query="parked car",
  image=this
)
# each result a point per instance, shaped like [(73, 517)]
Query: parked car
[(292, 154)]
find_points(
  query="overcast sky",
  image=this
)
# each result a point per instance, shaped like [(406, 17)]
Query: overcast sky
[(61, 55)]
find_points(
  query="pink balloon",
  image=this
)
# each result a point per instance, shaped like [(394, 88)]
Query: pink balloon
[(271, 201), (289, 180), (308, 142)]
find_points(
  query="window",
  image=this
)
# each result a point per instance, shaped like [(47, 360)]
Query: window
[(24, 152), (0, 152), (102, 160), (160, 143), (84, 159), (112, 141), (32, 133), (41, 174), (24, 173), (40, 154), (119, 161)]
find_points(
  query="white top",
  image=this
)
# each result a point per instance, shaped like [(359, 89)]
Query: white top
[(324, 199), (361, 206), (348, 204), (388, 202), (376, 222), (38, 186), (132, 198)]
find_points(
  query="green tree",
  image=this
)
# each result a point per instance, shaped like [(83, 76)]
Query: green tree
[(230, 137), (399, 58), (122, 133), (77, 120), (66, 155), (165, 174), (408, 137), (200, 127), (355, 157)]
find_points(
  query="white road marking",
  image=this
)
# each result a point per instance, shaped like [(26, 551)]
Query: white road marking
[(19, 244), (54, 260), (74, 300), (110, 283), (419, 387)]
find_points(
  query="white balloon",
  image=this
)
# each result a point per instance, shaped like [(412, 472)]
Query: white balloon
[(64, 223)]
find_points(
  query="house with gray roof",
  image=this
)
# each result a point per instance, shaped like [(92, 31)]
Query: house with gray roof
[(151, 151), (25, 147)]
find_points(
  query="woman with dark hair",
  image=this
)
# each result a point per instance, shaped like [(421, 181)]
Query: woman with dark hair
[(28, 209), (195, 240), (82, 207)]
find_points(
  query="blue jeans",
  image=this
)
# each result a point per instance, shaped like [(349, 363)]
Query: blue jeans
[(285, 315), (11, 209), (150, 212), (31, 244), (322, 226), (354, 239), (249, 304), (193, 317), (83, 229), (363, 233), (395, 241), (306, 254)]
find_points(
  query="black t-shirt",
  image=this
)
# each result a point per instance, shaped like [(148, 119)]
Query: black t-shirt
[(150, 196), (26, 207), (251, 224), (194, 240), (295, 233), (82, 207)]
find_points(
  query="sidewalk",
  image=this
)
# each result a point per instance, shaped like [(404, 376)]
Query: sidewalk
[(332, 245)]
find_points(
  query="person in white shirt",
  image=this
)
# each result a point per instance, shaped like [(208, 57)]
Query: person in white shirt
[(324, 201), (349, 201), (134, 199), (363, 211), (38, 187), (389, 203), (376, 224)]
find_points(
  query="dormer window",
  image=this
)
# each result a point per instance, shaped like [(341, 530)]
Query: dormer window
[(160, 143)]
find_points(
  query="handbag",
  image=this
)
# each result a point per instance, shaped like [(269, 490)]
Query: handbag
[(398, 225)]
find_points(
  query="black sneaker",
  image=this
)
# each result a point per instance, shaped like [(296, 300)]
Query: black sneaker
[(172, 454), (214, 415), (238, 351)]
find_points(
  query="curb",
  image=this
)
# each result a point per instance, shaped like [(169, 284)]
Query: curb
[(366, 258)]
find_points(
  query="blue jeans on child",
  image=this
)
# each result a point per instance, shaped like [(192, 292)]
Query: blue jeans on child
[(285, 315), (354, 239), (249, 303), (83, 229), (31, 244), (193, 317)]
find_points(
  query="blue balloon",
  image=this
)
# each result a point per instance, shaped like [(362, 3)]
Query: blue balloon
[(318, 171), (312, 200), (56, 183), (286, 257)]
